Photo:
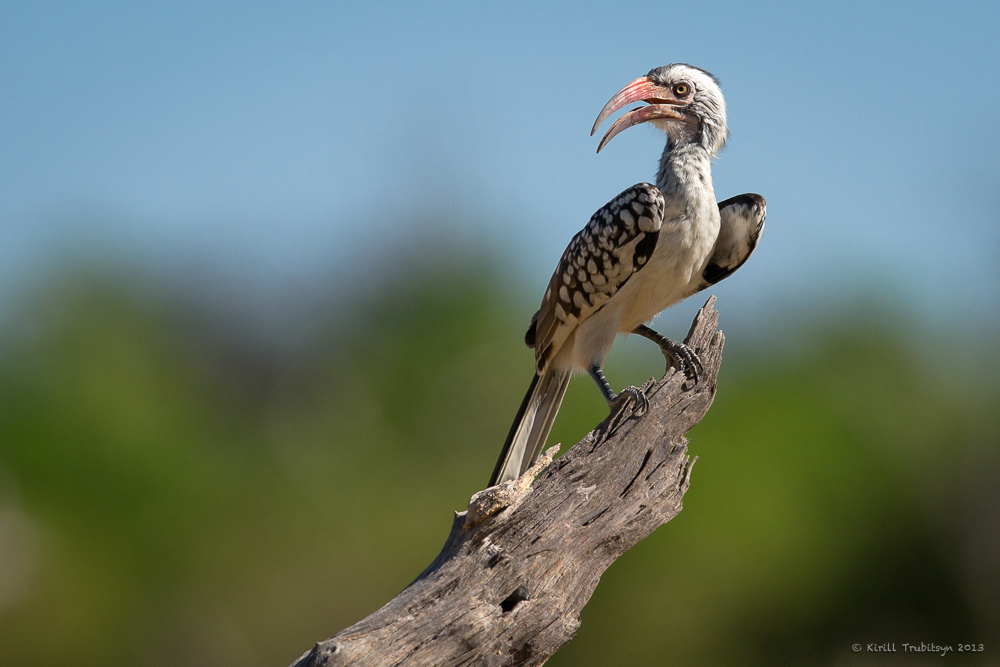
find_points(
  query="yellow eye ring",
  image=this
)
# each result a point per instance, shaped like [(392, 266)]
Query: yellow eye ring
[(681, 89)]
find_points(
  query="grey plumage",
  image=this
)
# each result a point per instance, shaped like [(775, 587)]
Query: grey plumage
[(647, 249)]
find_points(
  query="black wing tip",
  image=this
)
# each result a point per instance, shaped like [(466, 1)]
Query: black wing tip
[(752, 210), (529, 335)]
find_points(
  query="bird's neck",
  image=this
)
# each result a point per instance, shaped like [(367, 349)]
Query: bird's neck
[(685, 171)]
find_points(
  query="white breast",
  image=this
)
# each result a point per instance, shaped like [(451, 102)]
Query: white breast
[(674, 272), (675, 269)]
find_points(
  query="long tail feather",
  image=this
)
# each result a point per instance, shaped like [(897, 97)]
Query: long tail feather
[(531, 426)]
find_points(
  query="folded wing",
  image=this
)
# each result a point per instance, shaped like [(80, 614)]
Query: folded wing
[(615, 244), (741, 225)]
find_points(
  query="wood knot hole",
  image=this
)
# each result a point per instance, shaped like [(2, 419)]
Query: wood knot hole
[(514, 599)]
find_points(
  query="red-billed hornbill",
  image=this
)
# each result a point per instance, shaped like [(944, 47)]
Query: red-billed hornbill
[(647, 249)]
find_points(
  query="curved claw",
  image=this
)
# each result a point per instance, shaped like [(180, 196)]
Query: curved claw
[(632, 402), (678, 355), (687, 360), (633, 395)]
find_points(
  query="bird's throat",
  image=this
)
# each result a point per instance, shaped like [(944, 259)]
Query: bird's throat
[(685, 171)]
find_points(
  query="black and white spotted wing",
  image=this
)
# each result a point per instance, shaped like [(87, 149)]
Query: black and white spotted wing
[(616, 243), (739, 231)]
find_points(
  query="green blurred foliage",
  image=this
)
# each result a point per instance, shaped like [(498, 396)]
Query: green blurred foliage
[(173, 492)]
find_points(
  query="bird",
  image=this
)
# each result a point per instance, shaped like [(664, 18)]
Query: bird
[(645, 250)]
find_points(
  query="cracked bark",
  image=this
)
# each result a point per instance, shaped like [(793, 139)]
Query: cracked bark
[(524, 558)]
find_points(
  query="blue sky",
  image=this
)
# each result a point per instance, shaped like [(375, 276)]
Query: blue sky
[(270, 144)]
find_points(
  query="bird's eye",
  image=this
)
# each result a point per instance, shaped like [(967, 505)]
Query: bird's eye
[(681, 89)]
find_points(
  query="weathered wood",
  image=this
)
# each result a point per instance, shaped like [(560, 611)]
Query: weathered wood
[(522, 561)]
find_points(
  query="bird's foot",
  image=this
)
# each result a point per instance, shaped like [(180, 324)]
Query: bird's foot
[(678, 355), (631, 397), (632, 402), (683, 358)]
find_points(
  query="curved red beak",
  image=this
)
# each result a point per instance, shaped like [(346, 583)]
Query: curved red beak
[(661, 105)]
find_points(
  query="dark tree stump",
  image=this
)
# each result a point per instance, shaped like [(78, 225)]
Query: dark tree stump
[(522, 561)]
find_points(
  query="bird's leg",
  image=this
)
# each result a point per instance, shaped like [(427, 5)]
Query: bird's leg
[(616, 401), (677, 354)]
